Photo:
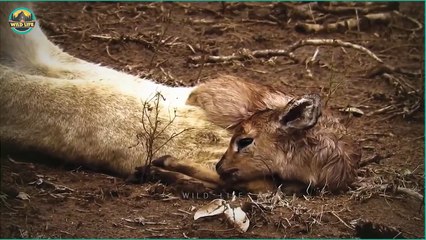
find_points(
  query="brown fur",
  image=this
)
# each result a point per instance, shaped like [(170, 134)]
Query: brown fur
[(321, 156)]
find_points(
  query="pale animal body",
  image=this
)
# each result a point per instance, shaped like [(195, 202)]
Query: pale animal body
[(83, 112), (88, 114)]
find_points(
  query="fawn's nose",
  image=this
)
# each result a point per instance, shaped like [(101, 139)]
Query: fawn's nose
[(230, 173), (227, 174)]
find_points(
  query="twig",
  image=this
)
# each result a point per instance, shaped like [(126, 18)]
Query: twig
[(335, 43), (311, 13), (244, 54), (174, 135), (381, 110), (403, 190), (162, 229), (215, 230), (419, 25), (152, 131), (347, 24), (203, 62), (375, 159), (357, 20), (384, 68), (30, 165), (341, 220), (259, 21), (181, 210), (363, 9), (126, 226), (400, 83), (109, 54), (65, 232), (123, 38), (200, 21)]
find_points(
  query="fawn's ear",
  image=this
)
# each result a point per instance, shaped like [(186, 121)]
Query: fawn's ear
[(302, 113)]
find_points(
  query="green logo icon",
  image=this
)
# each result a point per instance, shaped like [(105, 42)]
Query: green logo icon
[(22, 20)]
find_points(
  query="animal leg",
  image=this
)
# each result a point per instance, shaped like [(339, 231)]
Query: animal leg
[(191, 169), (178, 181), (205, 174)]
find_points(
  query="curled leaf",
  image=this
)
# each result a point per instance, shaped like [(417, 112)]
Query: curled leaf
[(238, 218), (353, 110), (215, 207), (23, 196)]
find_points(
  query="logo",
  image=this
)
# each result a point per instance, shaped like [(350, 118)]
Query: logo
[(22, 20)]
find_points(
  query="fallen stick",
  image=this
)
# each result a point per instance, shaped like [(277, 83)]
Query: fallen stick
[(341, 220), (335, 43), (259, 21), (123, 38), (384, 68), (375, 159), (349, 24), (246, 54), (364, 9), (402, 190), (400, 83), (419, 25)]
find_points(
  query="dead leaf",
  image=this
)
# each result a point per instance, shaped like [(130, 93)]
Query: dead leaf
[(355, 111), (238, 218), (138, 220), (23, 196), (215, 207)]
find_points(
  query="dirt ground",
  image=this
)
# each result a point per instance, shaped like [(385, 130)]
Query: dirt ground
[(156, 40)]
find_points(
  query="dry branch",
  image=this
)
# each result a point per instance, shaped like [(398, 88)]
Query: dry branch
[(408, 98), (375, 159), (384, 68), (419, 25), (341, 220), (361, 9), (400, 84), (123, 38), (409, 192), (353, 23), (244, 54), (111, 56), (259, 21), (335, 43), (151, 136), (369, 188)]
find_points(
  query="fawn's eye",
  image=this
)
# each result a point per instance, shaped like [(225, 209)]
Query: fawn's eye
[(244, 142)]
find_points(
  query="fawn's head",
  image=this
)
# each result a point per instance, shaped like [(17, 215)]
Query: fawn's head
[(259, 140)]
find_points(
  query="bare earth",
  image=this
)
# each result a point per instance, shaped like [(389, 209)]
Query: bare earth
[(95, 205)]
